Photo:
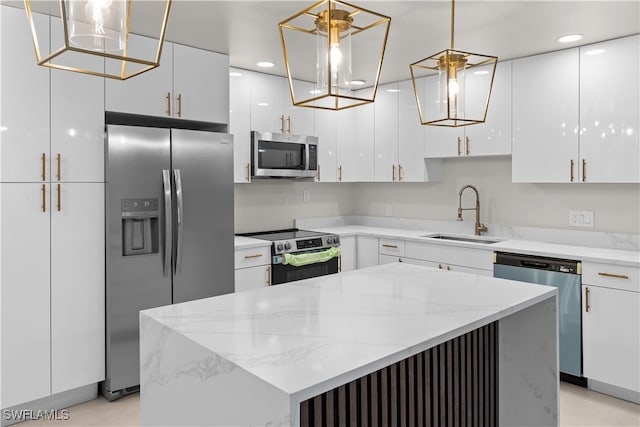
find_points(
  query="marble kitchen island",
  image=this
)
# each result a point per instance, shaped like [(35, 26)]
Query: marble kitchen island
[(395, 343)]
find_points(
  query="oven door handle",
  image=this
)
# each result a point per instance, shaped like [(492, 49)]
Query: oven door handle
[(307, 258)]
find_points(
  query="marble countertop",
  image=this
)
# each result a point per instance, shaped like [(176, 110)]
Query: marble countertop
[(241, 242), (581, 253), (318, 333)]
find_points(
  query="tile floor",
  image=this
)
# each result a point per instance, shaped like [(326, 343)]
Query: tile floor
[(578, 407)]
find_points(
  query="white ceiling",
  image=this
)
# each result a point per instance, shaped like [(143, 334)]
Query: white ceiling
[(248, 30)]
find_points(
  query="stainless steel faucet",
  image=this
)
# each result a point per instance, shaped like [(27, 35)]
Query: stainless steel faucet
[(479, 227)]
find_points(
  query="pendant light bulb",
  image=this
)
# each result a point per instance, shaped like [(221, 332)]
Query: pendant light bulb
[(333, 45), (98, 25)]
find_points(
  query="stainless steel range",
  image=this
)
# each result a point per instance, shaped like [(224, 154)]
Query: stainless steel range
[(300, 254)]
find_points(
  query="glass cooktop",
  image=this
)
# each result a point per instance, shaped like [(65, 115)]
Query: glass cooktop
[(289, 234)]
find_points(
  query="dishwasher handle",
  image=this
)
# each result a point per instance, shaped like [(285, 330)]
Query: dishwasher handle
[(538, 262), (534, 264)]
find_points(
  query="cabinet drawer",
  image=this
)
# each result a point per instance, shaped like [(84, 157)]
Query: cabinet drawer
[(611, 276), (391, 247), (454, 255), (252, 257)]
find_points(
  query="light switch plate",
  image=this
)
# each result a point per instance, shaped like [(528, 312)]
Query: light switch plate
[(306, 196), (581, 219), (387, 210)]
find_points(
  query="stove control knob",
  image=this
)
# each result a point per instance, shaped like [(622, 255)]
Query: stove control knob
[(287, 246), (329, 240), (336, 239), (279, 247)]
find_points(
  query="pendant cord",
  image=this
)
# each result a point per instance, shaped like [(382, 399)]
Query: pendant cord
[(452, 21)]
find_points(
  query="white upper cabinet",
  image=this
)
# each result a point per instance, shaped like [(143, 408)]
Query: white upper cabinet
[(150, 93), (386, 133), (24, 104), (240, 123), (411, 166), (545, 117), (298, 120), (200, 84), (267, 107), (360, 167), (77, 119), (491, 138), (609, 111), (327, 133), (189, 84), (350, 159)]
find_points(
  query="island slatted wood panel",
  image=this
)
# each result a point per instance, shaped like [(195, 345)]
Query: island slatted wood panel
[(453, 384)]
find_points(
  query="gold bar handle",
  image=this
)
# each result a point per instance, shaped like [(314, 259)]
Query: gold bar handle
[(59, 202), (448, 268), (289, 124), (340, 173), (584, 170), (44, 166), (399, 172), (179, 105), (467, 145), (393, 173), (587, 305), (282, 123), (44, 198), (571, 163), (318, 172), (252, 256), (169, 104), (58, 161), (340, 263), (389, 246), (248, 171), (268, 275), (617, 276), (459, 141)]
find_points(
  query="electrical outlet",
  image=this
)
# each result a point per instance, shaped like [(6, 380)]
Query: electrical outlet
[(387, 210), (581, 219), (305, 196)]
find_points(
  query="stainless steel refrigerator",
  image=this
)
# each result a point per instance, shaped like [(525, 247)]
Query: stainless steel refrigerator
[(169, 232)]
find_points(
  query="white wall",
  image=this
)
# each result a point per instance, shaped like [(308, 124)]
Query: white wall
[(265, 205), (274, 204), (616, 206)]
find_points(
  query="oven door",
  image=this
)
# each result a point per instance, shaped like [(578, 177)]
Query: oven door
[(283, 273)]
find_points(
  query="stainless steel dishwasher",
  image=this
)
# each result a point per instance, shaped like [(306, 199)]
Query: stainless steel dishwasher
[(565, 275)]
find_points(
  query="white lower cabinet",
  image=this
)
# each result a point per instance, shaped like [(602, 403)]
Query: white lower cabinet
[(348, 253), (25, 293), (252, 268), (611, 327), (52, 284), (452, 258), (366, 251)]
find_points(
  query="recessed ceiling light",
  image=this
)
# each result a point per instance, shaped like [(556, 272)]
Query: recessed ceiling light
[(594, 52), (570, 38), (481, 72), (235, 74), (357, 82), (265, 64)]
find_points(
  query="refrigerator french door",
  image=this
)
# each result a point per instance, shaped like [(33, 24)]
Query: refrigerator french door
[(169, 232)]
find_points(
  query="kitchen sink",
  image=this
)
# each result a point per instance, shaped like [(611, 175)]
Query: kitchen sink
[(462, 238)]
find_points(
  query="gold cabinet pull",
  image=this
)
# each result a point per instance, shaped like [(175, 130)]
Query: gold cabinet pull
[(268, 275), (340, 173), (399, 172), (617, 276), (289, 124), (390, 246), (43, 158), (466, 140), (282, 123), (44, 198), (448, 268), (248, 178), (393, 173), (58, 161), (440, 266), (339, 263), (459, 141), (587, 305), (179, 105), (169, 104), (400, 260), (318, 172), (252, 256), (59, 202), (584, 170), (571, 163)]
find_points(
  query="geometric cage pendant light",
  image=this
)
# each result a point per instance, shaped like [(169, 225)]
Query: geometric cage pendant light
[(339, 47), (453, 87), (100, 29)]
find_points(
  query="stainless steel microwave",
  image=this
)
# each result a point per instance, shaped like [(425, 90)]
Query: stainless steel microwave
[(282, 155)]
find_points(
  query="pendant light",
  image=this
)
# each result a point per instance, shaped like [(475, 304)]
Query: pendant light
[(453, 87), (322, 41), (101, 28)]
